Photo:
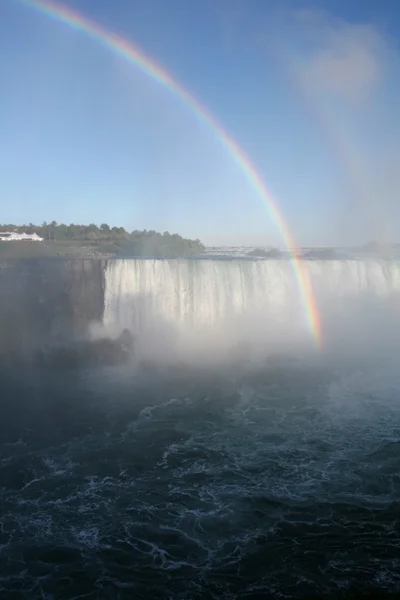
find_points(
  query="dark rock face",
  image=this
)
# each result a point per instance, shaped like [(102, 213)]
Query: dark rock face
[(44, 301)]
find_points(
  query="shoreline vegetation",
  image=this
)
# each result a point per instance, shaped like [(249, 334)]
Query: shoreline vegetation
[(93, 241)]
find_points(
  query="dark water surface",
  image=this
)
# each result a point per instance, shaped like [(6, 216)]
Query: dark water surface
[(277, 481)]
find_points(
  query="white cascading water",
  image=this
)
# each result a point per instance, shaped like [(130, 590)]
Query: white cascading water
[(196, 293), (243, 295)]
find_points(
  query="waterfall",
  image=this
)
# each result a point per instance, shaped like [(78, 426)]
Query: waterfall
[(196, 293), (207, 294)]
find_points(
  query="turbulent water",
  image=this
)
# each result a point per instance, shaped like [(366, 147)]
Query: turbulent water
[(221, 478)]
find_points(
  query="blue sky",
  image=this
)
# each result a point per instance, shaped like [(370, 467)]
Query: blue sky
[(308, 89)]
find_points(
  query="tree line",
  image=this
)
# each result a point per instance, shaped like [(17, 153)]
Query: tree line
[(135, 243)]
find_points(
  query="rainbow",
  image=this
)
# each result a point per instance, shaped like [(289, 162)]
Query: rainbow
[(134, 55)]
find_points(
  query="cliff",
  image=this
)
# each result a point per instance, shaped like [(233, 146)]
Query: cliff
[(47, 300)]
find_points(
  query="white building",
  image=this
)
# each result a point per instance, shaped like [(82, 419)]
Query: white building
[(13, 236)]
